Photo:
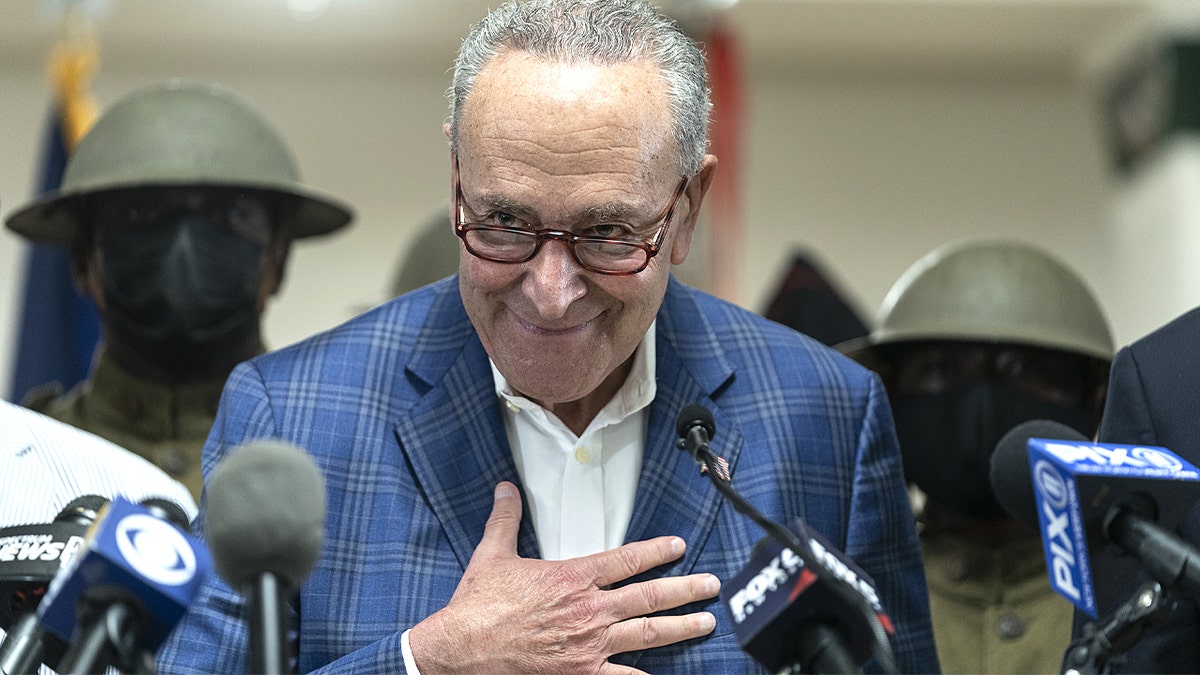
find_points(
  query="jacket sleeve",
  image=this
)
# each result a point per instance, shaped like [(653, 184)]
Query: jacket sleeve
[(1169, 646), (882, 537)]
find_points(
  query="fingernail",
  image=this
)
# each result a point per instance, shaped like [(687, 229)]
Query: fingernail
[(677, 546), (505, 491), (712, 585), (707, 621)]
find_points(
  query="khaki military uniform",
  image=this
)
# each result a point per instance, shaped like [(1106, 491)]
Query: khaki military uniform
[(165, 424), (993, 608)]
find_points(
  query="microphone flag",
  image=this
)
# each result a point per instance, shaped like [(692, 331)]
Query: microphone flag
[(130, 553), (1075, 480), (776, 593)]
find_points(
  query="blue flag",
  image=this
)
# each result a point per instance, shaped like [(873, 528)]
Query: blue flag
[(59, 327)]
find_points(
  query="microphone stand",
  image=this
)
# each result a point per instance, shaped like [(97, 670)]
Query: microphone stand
[(267, 620), (21, 651), (820, 646), (105, 636), (1102, 645)]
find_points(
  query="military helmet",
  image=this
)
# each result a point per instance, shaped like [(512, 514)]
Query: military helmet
[(179, 134), (990, 291)]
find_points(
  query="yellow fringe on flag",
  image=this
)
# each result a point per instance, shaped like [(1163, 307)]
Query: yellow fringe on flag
[(72, 65)]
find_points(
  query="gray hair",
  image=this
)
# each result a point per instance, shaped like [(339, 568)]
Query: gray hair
[(601, 32)]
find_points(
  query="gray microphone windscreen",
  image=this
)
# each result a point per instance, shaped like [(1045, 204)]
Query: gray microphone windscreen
[(265, 512)]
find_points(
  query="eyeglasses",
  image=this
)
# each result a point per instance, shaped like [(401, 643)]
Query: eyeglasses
[(604, 255)]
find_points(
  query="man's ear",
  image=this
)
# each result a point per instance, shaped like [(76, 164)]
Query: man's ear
[(694, 193)]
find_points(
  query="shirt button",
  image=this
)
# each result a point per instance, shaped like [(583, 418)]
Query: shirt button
[(512, 407), (1010, 626), (582, 455)]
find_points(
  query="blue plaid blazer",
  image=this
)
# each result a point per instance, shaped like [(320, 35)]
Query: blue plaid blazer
[(399, 411)]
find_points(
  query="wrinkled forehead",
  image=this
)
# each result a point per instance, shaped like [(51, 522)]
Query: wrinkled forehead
[(525, 105)]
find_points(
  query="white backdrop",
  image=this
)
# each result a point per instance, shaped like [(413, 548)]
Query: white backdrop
[(867, 170)]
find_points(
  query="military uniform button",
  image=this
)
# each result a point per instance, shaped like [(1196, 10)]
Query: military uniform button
[(1010, 626), (954, 567)]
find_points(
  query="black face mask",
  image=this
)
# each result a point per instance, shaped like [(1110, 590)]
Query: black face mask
[(947, 440), (181, 294)]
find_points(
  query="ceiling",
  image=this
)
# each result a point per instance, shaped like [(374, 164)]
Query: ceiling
[(1016, 39)]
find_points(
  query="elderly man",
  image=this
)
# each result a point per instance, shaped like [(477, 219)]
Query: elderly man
[(505, 493)]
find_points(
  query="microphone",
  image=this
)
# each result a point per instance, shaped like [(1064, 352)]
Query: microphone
[(30, 557), (265, 518), (1081, 495), (169, 511), (126, 589), (785, 613), (695, 427), (799, 601)]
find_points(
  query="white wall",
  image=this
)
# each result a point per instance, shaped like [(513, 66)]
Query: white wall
[(873, 174), (870, 174), (1156, 237)]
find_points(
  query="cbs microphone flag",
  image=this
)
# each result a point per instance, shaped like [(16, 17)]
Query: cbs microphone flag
[(130, 552)]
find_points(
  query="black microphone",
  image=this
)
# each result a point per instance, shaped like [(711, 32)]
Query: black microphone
[(122, 594), (265, 522), (169, 511), (695, 427), (1081, 495), (786, 612), (30, 557), (799, 602)]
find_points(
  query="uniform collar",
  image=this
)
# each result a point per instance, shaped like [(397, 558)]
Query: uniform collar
[(152, 410)]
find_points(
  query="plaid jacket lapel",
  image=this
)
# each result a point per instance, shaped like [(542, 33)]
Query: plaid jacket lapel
[(673, 498), (453, 435)]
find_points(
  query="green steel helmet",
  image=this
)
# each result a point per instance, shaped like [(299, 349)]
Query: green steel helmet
[(990, 291), (180, 134)]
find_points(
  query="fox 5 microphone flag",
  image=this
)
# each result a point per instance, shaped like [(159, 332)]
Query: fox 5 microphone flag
[(59, 327)]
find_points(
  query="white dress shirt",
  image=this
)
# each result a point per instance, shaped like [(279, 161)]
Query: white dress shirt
[(44, 464), (580, 489)]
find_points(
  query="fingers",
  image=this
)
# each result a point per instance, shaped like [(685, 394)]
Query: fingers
[(632, 630), (621, 563), (500, 533), (657, 595), (649, 632)]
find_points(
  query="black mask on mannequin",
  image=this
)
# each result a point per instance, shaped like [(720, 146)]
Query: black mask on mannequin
[(181, 291), (947, 439)]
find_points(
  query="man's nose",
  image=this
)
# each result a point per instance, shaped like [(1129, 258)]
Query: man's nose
[(553, 280)]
